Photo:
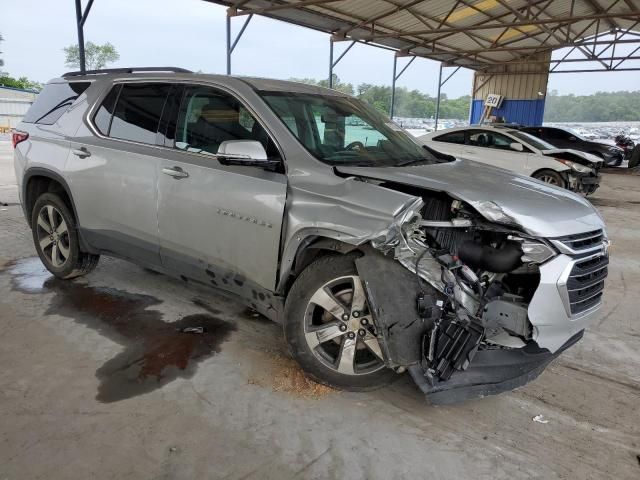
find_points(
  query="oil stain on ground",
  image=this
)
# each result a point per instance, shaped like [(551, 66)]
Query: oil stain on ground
[(154, 353)]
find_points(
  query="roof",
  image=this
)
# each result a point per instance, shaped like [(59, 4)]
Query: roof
[(470, 33), (171, 73)]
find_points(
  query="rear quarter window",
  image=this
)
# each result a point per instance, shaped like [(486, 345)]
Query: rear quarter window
[(54, 100)]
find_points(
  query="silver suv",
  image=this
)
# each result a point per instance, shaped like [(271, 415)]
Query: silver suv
[(376, 254)]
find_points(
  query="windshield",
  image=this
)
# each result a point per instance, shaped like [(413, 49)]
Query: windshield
[(529, 139), (345, 131)]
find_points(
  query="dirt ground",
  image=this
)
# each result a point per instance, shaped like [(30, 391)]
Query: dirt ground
[(99, 382)]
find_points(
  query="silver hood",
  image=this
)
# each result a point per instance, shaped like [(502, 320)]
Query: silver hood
[(540, 209)]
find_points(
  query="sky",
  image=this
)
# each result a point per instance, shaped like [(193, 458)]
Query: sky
[(191, 34)]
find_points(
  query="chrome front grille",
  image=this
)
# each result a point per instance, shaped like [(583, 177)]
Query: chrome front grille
[(586, 283), (581, 242)]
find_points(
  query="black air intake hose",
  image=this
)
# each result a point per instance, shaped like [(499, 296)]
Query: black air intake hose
[(497, 260)]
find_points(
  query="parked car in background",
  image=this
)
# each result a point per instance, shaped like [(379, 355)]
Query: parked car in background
[(567, 138), (376, 254), (512, 149)]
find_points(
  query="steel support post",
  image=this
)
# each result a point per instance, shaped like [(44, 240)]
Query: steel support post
[(228, 45), (393, 86), (438, 97), (79, 25), (330, 63), (231, 46)]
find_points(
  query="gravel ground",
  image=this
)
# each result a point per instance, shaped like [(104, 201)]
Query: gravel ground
[(98, 383)]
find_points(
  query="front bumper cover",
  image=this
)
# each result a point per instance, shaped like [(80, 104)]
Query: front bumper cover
[(491, 372), (585, 183)]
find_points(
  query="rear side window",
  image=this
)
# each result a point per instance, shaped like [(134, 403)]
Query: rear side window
[(53, 101), (137, 112), (102, 118), (453, 137)]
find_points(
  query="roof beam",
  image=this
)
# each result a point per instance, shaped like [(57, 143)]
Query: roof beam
[(380, 16), (492, 26), (283, 6), (598, 9), (537, 47)]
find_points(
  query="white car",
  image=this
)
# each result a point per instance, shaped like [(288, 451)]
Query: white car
[(509, 148)]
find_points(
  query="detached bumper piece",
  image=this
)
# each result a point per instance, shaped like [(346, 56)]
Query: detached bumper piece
[(490, 372)]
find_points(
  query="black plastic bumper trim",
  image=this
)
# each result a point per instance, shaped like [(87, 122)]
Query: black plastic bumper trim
[(491, 372)]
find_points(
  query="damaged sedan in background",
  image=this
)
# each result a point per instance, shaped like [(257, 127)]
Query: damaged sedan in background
[(378, 255)]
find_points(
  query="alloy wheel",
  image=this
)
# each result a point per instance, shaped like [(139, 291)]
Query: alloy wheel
[(548, 179), (339, 329), (53, 236)]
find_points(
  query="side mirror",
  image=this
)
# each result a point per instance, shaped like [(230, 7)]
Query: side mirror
[(249, 150), (517, 147)]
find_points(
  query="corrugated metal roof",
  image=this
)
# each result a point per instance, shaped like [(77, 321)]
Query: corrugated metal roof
[(471, 33)]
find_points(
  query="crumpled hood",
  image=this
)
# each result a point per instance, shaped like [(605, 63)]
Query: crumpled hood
[(577, 156), (540, 209)]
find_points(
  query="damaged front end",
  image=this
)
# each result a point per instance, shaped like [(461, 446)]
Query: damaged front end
[(450, 291)]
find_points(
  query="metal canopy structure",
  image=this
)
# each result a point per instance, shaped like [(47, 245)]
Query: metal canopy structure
[(482, 35), (475, 34)]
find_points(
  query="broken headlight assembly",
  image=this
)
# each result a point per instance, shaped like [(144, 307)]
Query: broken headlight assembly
[(577, 167), (494, 212)]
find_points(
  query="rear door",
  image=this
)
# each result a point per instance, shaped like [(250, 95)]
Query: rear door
[(219, 223), (113, 172), (450, 142)]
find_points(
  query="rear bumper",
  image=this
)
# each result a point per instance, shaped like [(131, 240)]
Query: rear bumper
[(491, 372)]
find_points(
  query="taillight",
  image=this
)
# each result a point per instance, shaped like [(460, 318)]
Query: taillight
[(18, 136)]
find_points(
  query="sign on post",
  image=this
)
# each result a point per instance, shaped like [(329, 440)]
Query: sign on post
[(493, 100)]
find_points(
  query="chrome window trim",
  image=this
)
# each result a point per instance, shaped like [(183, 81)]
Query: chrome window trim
[(90, 114)]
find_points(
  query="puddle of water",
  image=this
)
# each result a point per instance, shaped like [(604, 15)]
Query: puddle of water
[(154, 352)]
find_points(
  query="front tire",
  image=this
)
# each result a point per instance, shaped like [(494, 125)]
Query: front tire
[(551, 177), (56, 239), (329, 328)]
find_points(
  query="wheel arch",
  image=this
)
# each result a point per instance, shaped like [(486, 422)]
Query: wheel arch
[(37, 181), (309, 249), (563, 173)]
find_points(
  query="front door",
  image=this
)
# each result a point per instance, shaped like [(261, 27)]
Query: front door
[(495, 149), (219, 223)]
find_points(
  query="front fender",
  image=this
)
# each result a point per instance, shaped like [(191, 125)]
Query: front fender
[(352, 212)]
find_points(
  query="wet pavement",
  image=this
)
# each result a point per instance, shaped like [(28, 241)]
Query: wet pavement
[(155, 352), (101, 380)]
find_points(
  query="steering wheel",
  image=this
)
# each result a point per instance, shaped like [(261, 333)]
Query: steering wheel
[(357, 145)]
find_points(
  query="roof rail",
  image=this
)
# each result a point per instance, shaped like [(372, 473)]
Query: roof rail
[(127, 70)]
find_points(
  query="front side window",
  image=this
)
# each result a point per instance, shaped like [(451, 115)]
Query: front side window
[(453, 137), (344, 131), (137, 112), (208, 117), (53, 101), (482, 138)]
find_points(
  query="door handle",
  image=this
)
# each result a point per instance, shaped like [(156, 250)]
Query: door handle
[(175, 172), (81, 152)]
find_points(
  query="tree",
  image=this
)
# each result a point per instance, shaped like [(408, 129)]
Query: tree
[(1, 60), (96, 56), (23, 83)]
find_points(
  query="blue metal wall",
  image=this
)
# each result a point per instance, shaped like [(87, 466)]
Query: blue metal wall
[(525, 112)]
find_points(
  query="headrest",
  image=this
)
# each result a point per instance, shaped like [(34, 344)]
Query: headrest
[(217, 110)]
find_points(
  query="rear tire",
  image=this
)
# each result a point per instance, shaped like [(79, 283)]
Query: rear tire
[(329, 329), (56, 238), (551, 177)]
